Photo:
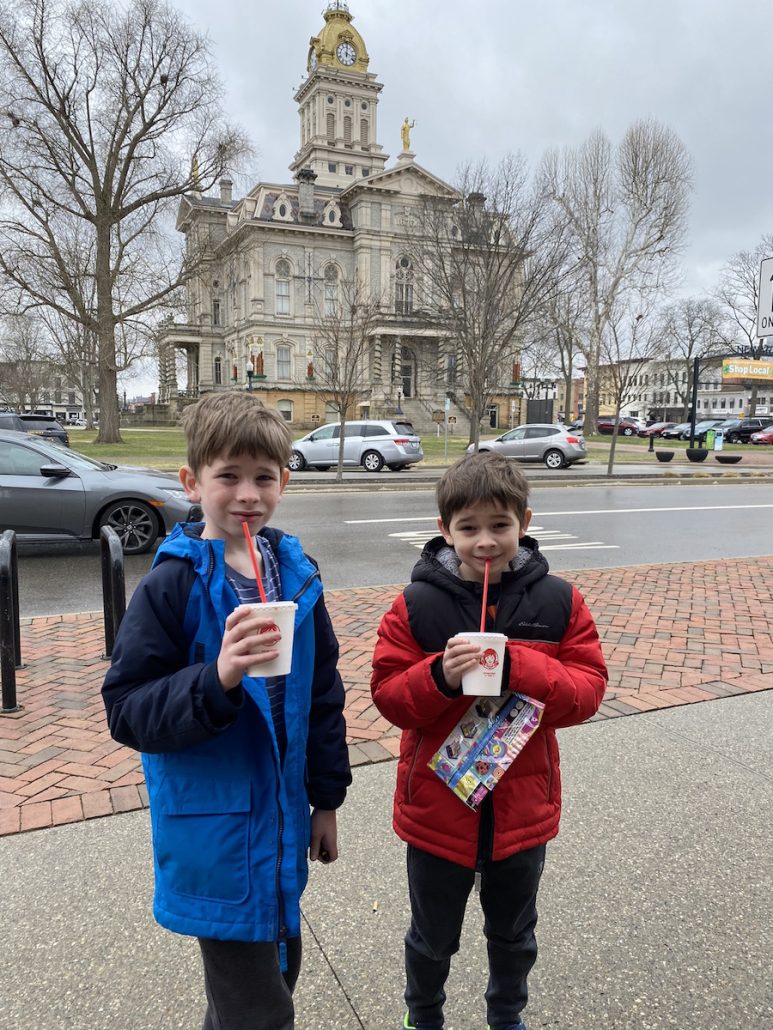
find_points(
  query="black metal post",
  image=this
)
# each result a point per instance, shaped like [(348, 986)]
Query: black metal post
[(113, 585), (10, 646), (651, 447), (695, 370)]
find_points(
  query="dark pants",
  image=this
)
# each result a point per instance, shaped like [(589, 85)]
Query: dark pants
[(438, 891), (246, 989)]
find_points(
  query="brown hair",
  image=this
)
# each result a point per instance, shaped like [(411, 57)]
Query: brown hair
[(483, 477), (234, 423)]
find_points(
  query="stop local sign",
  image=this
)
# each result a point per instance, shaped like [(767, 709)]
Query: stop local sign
[(765, 302)]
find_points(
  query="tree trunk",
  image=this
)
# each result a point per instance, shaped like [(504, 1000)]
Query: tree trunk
[(109, 431)]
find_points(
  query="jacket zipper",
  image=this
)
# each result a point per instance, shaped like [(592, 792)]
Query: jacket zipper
[(550, 766), (413, 766), (305, 586)]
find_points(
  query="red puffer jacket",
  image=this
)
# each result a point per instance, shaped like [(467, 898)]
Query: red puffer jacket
[(554, 656)]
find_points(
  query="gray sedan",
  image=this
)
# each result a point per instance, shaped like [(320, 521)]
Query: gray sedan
[(47, 492), (554, 445)]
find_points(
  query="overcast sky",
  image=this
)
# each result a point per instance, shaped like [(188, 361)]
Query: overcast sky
[(484, 77)]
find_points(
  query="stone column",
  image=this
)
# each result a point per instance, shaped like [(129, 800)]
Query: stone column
[(376, 369)]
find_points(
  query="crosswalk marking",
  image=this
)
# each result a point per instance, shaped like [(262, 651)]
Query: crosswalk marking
[(548, 539)]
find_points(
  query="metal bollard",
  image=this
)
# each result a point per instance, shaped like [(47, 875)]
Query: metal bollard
[(113, 585), (10, 638)]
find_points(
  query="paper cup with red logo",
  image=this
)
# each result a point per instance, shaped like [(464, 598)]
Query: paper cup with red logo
[(485, 680), (282, 615)]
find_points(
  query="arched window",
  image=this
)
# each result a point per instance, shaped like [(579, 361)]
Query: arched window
[(403, 286), (364, 132), (283, 362), (218, 371), (347, 130), (331, 291), (282, 286), (331, 127), (285, 409)]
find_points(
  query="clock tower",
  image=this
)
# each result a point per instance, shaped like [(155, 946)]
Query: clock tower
[(337, 105)]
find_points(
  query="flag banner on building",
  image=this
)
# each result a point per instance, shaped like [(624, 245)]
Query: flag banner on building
[(733, 368)]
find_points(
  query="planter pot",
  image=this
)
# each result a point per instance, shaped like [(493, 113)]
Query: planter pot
[(664, 455), (728, 459), (697, 453)]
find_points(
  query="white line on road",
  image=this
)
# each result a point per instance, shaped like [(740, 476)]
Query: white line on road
[(593, 511)]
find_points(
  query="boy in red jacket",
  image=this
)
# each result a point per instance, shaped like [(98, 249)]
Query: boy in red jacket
[(553, 655)]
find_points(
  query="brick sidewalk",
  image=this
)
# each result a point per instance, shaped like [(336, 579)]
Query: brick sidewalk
[(672, 635)]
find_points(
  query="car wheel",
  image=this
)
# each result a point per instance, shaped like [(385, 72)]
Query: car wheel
[(372, 461), (297, 462), (734, 438), (396, 468), (134, 522), (554, 459), (628, 431)]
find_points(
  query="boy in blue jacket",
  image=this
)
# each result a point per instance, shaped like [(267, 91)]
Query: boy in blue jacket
[(233, 764)]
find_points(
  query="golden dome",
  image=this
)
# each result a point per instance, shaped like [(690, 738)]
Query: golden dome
[(338, 45)]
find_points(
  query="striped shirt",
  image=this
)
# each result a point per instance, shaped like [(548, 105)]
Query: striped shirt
[(246, 590)]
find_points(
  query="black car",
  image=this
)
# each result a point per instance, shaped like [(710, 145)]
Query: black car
[(739, 430), (41, 425)]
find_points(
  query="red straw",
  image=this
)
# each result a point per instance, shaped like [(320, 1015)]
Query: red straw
[(485, 596), (254, 559)]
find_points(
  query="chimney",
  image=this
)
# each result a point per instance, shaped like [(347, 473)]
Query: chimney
[(226, 191), (306, 178)]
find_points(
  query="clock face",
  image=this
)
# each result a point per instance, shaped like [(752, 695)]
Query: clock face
[(346, 53)]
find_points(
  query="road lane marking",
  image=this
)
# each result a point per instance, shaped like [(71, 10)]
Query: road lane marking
[(592, 511)]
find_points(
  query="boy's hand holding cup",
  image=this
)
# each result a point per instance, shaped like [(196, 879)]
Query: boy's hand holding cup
[(475, 661)]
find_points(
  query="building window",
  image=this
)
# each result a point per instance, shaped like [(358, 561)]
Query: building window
[(347, 130), (216, 315), (285, 409), (332, 166), (218, 371), (365, 172), (283, 362), (364, 131), (331, 291), (349, 169), (331, 127), (282, 287), (403, 286)]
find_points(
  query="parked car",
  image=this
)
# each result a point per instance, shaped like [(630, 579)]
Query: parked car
[(655, 429), (739, 430), (576, 426), (552, 444), (372, 443), (763, 436), (675, 432), (42, 425), (47, 492), (625, 427), (702, 427)]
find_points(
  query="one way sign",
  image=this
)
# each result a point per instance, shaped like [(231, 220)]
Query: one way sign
[(765, 303)]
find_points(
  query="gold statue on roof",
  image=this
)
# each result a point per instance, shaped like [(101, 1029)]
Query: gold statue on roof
[(405, 132)]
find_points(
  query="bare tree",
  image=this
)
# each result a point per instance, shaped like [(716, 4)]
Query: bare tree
[(344, 323), (107, 105), (690, 328), (627, 213), (630, 342), (27, 358), (486, 259), (738, 296)]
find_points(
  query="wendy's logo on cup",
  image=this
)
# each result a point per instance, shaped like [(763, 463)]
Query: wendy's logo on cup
[(489, 660)]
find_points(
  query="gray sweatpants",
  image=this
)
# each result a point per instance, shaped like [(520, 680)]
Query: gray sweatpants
[(246, 990)]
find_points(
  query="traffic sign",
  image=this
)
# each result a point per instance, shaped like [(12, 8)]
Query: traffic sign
[(765, 302)]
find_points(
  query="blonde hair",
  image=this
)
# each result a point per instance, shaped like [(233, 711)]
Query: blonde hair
[(482, 477), (234, 423)]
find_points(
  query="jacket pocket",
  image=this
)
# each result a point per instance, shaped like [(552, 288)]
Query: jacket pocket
[(202, 844)]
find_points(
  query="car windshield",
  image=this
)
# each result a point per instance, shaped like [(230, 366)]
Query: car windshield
[(73, 459)]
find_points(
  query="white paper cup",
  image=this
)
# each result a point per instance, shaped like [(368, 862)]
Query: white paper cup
[(282, 613), (485, 680)]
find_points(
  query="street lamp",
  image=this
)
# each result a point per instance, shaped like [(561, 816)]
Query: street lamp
[(250, 373)]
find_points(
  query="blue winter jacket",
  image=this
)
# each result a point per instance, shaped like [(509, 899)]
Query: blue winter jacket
[(231, 827)]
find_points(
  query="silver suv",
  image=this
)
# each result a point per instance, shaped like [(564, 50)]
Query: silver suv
[(371, 443)]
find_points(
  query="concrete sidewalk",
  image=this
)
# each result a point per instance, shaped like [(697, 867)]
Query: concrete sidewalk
[(672, 635), (655, 908)]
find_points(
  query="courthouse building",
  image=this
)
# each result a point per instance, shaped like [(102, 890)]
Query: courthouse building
[(279, 256)]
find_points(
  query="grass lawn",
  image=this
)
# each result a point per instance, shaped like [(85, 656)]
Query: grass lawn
[(165, 448)]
